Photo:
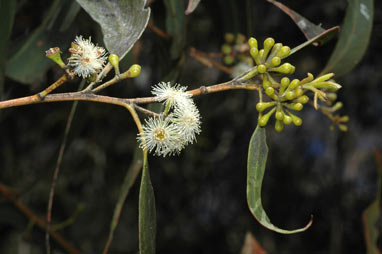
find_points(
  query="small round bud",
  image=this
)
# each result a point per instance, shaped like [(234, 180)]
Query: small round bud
[(268, 44), (228, 60), (279, 126), (261, 53), (255, 55), (343, 127), (229, 37), (284, 52), (296, 120), (114, 60), (287, 120), (270, 91), (252, 42), (303, 99), (92, 77), (276, 61), (261, 106), (294, 84), (261, 68), (331, 96), (266, 84), (226, 49), (290, 95), (295, 106), (263, 120), (279, 115), (286, 68), (337, 106), (132, 72), (344, 119), (299, 91), (284, 82)]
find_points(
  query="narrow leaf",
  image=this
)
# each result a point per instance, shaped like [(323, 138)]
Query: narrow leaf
[(192, 4), (354, 37), (147, 213), (122, 22), (325, 36), (130, 177), (309, 29), (176, 26), (257, 158), (7, 14)]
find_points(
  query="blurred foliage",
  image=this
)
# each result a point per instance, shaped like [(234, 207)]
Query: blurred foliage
[(200, 195)]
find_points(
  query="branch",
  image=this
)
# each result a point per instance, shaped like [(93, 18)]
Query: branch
[(37, 220)]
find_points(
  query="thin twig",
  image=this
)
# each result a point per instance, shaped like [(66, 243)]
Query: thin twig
[(158, 31), (57, 170), (37, 220), (205, 59)]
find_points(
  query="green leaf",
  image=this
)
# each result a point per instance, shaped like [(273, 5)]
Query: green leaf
[(354, 37), (29, 63), (122, 22), (7, 14), (257, 158), (324, 36), (130, 177), (176, 26), (147, 213)]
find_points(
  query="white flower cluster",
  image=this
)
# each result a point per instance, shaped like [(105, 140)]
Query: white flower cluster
[(86, 58), (171, 132)]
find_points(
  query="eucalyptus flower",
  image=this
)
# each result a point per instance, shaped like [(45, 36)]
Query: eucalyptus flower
[(86, 58), (172, 95), (187, 122)]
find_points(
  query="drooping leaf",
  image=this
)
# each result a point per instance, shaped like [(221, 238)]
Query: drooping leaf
[(147, 213), (130, 177), (122, 22), (192, 4), (175, 26), (353, 39), (257, 158), (327, 34), (371, 216), (309, 29), (29, 63), (7, 14)]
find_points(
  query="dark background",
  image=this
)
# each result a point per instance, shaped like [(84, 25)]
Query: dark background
[(200, 194)]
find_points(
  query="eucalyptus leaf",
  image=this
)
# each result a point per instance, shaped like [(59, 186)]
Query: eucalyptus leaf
[(147, 213), (354, 37), (192, 4), (176, 26), (257, 158), (122, 22), (7, 13)]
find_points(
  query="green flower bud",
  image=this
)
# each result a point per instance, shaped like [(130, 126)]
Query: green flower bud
[(263, 120), (331, 96), (226, 49), (337, 106), (261, 106), (279, 126), (229, 37), (279, 115), (284, 82), (261, 53), (287, 119), (286, 68), (343, 127), (344, 119), (299, 92), (294, 84), (266, 84), (114, 60), (290, 95), (255, 55), (295, 119), (276, 61), (303, 99), (275, 50), (327, 85), (132, 72), (252, 42), (284, 52), (268, 44), (261, 68), (323, 78), (54, 54), (228, 60), (295, 106), (270, 91), (92, 77)]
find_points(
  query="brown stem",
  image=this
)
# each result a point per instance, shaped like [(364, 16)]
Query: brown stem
[(37, 220), (158, 31), (204, 59)]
